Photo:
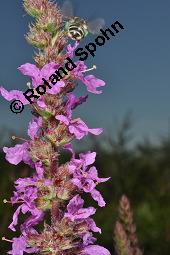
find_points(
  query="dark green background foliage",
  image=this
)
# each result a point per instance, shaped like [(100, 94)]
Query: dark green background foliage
[(142, 173)]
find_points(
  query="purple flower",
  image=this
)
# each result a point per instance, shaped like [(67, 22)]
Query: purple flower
[(18, 153), (20, 245), (18, 95), (85, 177), (13, 94), (94, 249), (73, 102), (27, 198), (78, 71), (34, 126), (75, 210), (26, 195), (91, 82), (77, 127), (33, 220), (85, 159), (88, 186), (36, 74)]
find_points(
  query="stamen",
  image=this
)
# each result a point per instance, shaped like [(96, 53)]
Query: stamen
[(7, 240), (6, 201), (29, 85), (90, 69), (19, 138)]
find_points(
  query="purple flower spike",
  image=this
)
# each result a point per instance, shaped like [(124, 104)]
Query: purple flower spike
[(54, 188)]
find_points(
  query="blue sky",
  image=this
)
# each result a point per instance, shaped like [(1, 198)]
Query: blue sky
[(135, 65)]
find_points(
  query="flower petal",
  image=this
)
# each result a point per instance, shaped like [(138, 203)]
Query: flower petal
[(56, 88), (17, 153), (63, 119), (98, 197), (48, 70), (31, 71), (95, 249), (34, 126), (13, 94), (92, 83)]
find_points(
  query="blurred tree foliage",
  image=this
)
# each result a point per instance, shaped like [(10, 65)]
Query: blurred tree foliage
[(141, 172)]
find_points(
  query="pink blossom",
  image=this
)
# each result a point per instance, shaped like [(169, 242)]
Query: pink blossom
[(26, 194), (20, 246), (26, 197), (73, 102), (13, 94), (18, 95), (37, 74), (35, 218), (17, 154), (80, 129), (85, 159), (85, 177), (91, 82), (75, 210), (77, 127), (20, 152)]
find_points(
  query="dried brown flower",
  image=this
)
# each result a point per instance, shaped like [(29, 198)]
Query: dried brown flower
[(126, 226), (122, 244)]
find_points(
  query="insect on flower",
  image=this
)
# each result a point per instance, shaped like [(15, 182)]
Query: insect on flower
[(76, 27)]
